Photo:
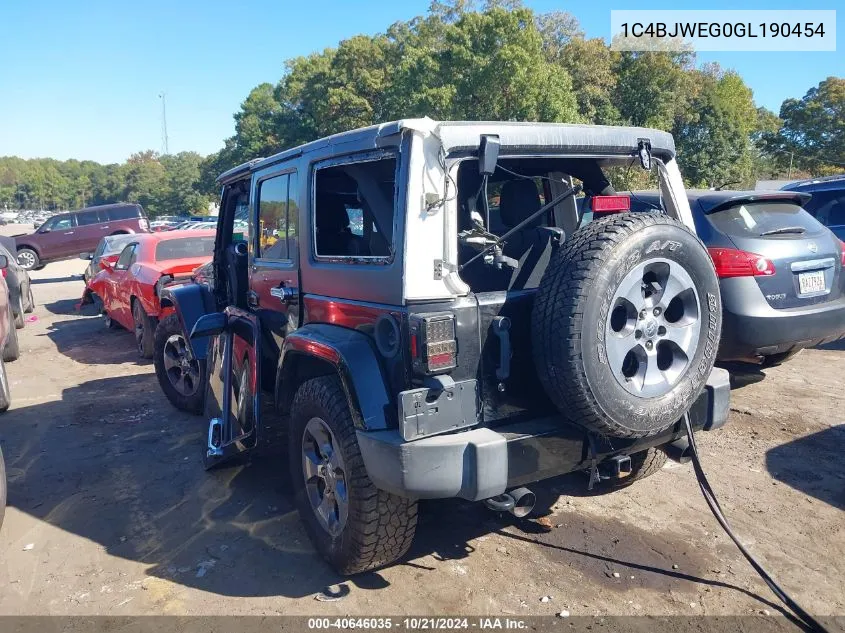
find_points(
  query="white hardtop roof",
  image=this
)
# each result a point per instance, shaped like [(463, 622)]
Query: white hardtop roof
[(515, 137)]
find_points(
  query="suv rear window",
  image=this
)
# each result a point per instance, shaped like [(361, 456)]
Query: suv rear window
[(123, 213), (185, 247), (759, 219)]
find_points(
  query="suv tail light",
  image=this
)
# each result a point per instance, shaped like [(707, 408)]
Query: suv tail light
[(842, 249), (4, 272), (732, 262), (610, 204), (434, 349)]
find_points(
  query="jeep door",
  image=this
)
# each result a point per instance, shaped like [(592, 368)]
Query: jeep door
[(273, 294)]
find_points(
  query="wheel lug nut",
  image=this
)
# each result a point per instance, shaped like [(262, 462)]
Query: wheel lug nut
[(657, 312), (649, 344), (642, 314), (661, 331), (638, 334)]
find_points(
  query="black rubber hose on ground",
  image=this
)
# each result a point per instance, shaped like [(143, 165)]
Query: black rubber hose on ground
[(805, 618)]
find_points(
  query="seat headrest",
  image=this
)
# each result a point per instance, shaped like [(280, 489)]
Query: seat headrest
[(331, 215), (518, 200)]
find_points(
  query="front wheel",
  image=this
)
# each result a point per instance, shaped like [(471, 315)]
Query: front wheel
[(30, 300), (181, 376), (19, 311), (354, 525), (28, 259)]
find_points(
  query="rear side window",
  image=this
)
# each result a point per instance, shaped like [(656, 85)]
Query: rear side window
[(123, 213), (277, 218), (828, 207), (764, 219), (185, 247), (88, 217), (354, 209)]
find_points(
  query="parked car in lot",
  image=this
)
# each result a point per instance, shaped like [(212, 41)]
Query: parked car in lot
[(19, 283), (130, 288), (8, 337), (411, 340), (107, 250), (828, 202), (780, 271), (68, 234)]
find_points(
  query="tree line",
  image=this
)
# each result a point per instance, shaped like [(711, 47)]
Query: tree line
[(499, 61)]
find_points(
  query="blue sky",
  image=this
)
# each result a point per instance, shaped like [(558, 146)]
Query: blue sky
[(82, 79)]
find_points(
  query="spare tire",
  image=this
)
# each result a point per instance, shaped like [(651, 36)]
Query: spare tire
[(626, 324)]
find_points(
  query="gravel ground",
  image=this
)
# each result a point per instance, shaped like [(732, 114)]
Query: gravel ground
[(111, 513)]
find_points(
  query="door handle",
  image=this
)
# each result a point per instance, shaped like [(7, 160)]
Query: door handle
[(68, 232), (252, 298), (283, 293)]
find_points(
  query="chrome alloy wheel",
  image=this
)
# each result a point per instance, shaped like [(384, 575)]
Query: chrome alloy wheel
[(653, 327), (325, 476)]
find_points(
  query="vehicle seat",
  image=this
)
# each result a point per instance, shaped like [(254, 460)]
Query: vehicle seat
[(333, 234)]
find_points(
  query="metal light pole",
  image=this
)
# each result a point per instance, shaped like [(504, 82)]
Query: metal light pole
[(164, 144)]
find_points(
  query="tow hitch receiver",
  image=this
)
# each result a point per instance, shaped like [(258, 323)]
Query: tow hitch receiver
[(617, 467)]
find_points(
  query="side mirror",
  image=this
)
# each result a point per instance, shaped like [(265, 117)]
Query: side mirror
[(488, 154), (106, 265), (4, 262), (88, 256), (209, 325)]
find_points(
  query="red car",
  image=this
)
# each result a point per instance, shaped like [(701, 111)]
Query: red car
[(130, 288)]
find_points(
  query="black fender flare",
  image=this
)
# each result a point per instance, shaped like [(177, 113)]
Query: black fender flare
[(319, 349), (191, 301)]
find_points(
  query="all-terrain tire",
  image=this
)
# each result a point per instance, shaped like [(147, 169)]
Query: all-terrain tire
[(11, 351), (575, 308), (643, 464), (380, 526), (190, 402)]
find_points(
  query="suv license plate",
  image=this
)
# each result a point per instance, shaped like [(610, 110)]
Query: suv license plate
[(811, 282)]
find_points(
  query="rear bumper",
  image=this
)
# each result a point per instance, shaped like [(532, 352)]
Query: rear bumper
[(482, 463), (752, 328)]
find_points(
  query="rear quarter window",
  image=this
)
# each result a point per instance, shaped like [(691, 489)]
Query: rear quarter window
[(124, 213), (185, 247), (758, 219)]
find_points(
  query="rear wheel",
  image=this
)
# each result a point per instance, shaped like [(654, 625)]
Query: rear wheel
[(181, 376), (19, 311), (12, 349), (5, 401), (144, 330), (28, 259), (353, 524), (30, 299), (626, 324)]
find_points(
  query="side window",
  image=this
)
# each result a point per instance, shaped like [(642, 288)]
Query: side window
[(123, 213), (87, 217), (65, 222), (126, 258), (828, 207), (354, 208), (277, 215)]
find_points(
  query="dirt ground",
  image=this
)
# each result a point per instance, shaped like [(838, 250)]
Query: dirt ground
[(111, 513)]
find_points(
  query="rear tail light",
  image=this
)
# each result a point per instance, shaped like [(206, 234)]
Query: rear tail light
[(433, 346), (4, 273), (732, 262), (610, 204), (842, 249)]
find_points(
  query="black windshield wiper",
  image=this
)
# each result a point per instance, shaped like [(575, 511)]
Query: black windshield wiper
[(784, 230)]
